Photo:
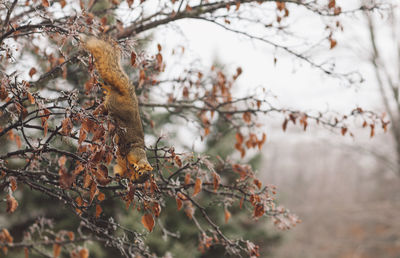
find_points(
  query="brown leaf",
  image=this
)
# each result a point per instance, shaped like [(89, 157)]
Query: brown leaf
[(66, 179), (66, 126), (98, 210), (258, 210), (12, 204), (63, 3), (227, 215), (247, 117), (101, 197), (197, 186), (56, 250), (130, 3), (239, 138), (333, 43), (31, 98), (257, 183), (372, 134), (216, 181), (148, 221), (280, 5), (18, 141), (159, 47), (71, 235), (82, 135), (179, 203), (284, 125), (32, 71), (84, 253), (62, 160), (156, 209), (344, 130), (187, 179), (7, 236), (332, 4), (45, 3), (133, 58), (101, 175), (13, 183), (93, 191)]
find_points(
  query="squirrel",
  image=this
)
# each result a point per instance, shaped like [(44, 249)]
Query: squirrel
[(122, 104)]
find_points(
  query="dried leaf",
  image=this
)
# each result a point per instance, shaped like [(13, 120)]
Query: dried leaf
[(333, 43), (247, 117), (12, 204), (98, 210), (187, 179), (13, 183), (258, 183), (56, 250), (179, 203), (258, 210), (32, 71), (227, 215), (156, 209), (45, 3), (148, 221), (197, 186), (71, 235), (63, 3), (332, 4), (101, 197), (216, 181), (133, 58), (84, 253), (31, 98), (239, 138)]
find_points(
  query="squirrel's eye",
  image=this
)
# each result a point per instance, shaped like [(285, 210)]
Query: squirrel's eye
[(140, 173)]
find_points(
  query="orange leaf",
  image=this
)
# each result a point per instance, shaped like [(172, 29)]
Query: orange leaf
[(333, 42), (45, 3), (56, 250), (98, 210), (148, 221), (280, 5), (179, 203), (332, 4), (247, 117), (187, 179), (257, 183), (13, 183), (344, 130), (84, 253), (12, 204), (101, 197), (31, 98), (197, 186), (71, 235), (156, 209), (62, 3), (258, 210), (227, 215), (159, 47), (239, 138)]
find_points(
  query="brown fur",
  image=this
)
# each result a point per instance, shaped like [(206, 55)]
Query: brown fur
[(122, 104)]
